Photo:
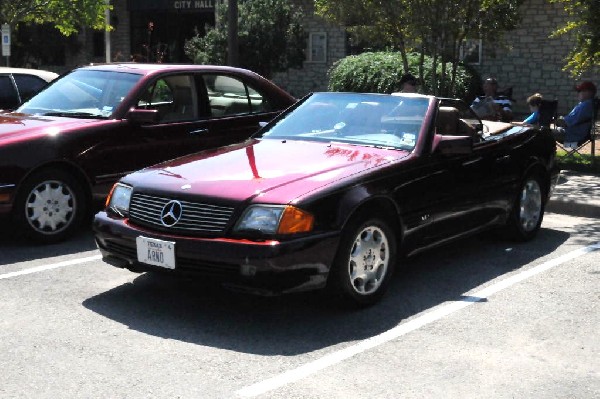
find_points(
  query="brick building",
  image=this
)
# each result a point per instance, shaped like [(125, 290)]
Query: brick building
[(527, 60)]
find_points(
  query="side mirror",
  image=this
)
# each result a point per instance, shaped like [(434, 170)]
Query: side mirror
[(452, 145), (143, 116)]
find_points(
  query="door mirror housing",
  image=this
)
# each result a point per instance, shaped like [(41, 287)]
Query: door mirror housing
[(452, 145), (143, 116)]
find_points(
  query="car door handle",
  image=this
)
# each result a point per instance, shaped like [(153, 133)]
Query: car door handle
[(199, 132), (503, 159), (472, 161)]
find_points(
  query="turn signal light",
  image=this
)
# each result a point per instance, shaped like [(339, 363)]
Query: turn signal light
[(295, 220)]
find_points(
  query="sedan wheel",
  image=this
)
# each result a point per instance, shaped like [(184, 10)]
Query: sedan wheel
[(364, 263), (50, 206)]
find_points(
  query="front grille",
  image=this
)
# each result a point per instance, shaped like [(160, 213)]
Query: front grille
[(195, 217)]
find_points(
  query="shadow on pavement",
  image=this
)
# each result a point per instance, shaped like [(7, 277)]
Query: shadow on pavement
[(18, 249), (302, 323)]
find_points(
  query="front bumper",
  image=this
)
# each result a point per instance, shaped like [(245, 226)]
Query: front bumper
[(261, 267)]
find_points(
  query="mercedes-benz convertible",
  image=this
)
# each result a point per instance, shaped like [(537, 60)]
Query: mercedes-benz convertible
[(331, 194)]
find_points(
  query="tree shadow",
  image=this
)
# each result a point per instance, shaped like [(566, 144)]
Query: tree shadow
[(202, 314)]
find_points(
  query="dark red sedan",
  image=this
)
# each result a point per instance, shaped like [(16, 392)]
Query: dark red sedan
[(67, 146), (329, 194)]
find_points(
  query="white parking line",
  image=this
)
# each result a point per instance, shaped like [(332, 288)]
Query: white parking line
[(51, 266), (331, 359)]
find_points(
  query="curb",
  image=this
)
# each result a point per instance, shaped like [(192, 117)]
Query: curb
[(573, 208), (576, 194)]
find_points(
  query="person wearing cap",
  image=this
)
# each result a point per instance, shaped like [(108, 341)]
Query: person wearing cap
[(501, 109), (408, 83), (575, 127)]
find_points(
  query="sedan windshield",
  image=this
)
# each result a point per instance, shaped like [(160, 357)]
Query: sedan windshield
[(364, 119), (82, 94)]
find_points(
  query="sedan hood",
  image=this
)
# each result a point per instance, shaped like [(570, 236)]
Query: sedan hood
[(274, 171), (14, 126)]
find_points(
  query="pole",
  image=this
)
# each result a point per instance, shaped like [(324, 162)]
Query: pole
[(232, 33), (107, 32)]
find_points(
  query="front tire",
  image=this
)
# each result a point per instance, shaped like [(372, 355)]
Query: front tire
[(50, 206), (528, 211), (365, 262)]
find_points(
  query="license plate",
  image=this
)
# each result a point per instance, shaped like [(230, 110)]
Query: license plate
[(156, 252)]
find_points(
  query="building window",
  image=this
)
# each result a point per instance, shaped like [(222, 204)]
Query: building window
[(317, 47), (470, 51)]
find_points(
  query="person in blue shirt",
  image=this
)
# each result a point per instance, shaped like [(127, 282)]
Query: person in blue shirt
[(534, 101), (575, 127)]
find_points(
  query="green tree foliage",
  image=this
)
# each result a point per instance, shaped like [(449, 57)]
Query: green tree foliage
[(270, 36), (68, 16), (432, 28), (584, 24), (380, 72)]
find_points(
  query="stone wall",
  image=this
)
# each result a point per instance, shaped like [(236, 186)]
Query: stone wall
[(313, 75), (530, 61)]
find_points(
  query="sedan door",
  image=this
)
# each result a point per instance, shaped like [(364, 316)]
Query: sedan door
[(188, 121)]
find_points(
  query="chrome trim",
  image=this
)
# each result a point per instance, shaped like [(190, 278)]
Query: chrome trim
[(7, 185)]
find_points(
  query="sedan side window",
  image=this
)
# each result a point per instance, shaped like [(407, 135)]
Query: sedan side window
[(9, 97), (28, 85), (230, 96), (174, 97)]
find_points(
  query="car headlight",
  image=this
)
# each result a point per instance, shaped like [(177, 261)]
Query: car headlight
[(271, 219), (118, 199)]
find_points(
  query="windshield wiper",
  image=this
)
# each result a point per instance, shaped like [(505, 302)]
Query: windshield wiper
[(74, 114)]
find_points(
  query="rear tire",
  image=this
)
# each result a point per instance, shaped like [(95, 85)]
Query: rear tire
[(364, 263), (50, 206), (528, 211)]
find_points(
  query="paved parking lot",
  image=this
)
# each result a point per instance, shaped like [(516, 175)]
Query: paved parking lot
[(481, 318)]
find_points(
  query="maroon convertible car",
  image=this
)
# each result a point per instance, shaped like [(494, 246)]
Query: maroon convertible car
[(71, 142), (329, 194)]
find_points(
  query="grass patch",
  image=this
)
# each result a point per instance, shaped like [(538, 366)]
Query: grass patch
[(578, 162)]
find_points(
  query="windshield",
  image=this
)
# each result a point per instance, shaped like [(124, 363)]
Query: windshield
[(365, 119), (82, 93)]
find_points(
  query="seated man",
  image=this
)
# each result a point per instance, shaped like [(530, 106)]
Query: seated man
[(492, 106), (575, 126)]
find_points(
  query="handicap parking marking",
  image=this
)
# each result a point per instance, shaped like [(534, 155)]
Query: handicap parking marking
[(334, 358), (38, 269)]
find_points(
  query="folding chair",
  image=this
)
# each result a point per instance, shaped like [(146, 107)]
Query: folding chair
[(592, 136), (548, 113)]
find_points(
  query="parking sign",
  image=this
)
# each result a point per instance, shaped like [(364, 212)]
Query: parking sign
[(6, 40)]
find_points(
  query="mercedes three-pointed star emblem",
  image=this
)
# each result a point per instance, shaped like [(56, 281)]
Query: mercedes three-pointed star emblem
[(171, 213)]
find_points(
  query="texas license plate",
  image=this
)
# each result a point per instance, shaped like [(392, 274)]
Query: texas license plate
[(156, 252)]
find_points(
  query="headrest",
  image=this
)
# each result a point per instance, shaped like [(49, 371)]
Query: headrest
[(447, 121)]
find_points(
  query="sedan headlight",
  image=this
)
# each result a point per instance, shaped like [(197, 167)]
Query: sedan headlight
[(271, 219), (118, 199)]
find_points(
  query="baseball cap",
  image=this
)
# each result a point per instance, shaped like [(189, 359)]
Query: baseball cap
[(586, 86)]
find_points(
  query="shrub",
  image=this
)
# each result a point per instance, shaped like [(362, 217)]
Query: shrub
[(380, 72)]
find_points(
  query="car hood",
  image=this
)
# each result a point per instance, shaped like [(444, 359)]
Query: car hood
[(14, 126), (272, 171)]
